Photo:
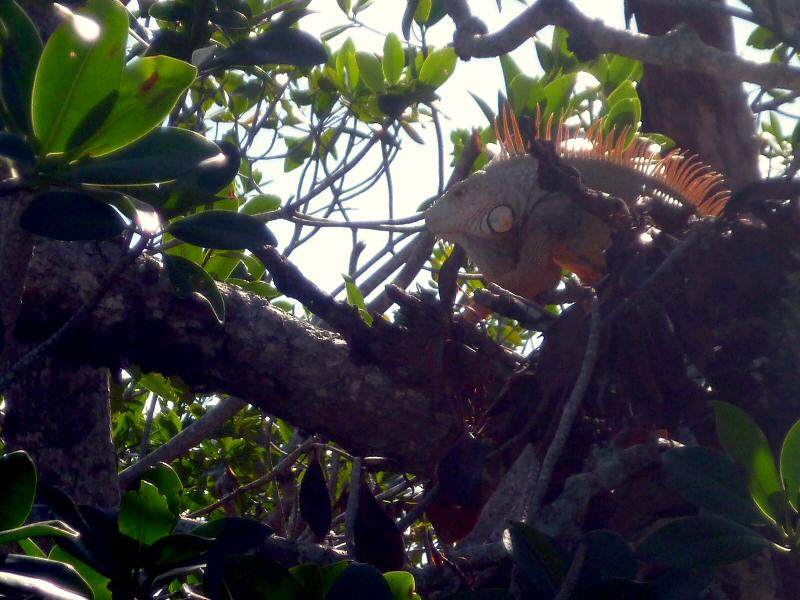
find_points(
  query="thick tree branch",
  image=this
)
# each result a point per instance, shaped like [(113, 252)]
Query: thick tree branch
[(678, 49), (272, 360)]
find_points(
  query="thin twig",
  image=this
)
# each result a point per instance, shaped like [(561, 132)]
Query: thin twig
[(568, 416), (285, 463), (185, 440)]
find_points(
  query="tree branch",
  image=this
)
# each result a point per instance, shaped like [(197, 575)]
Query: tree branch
[(679, 49)]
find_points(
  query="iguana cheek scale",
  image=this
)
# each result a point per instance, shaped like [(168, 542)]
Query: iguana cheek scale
[(520, 236)]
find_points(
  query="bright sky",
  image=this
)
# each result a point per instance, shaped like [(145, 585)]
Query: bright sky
[(414, 172)]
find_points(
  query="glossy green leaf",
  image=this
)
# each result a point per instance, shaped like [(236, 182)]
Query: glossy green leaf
[(259, 578), (438, 67), (625, 113), (539, 557), (526, 93), (262, 203), (545, 56), (95, 580), (171, 10), (557, 93), (510, 71), (144, 515), (402, 585), (71, 216), (356, 298), (148, 90), (790, 465), (21, 50), (371, 71), (692, 542), (394, 58), (711, 480), (188, 278), (165, 154), (34, 530), (17, 488), (360, 580), (744, 441), (223, 230), (276, 46), (80, 65), (167, 483), (42, 578), (315, 500), (177, 550), (310, 575), (230, 19), (621, 69)]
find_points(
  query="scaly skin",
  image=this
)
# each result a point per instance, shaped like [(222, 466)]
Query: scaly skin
[(541, 233)]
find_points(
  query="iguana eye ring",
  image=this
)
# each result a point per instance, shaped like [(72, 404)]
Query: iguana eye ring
[(500, 219)]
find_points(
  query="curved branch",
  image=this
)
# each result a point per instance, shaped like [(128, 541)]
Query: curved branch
[(678, 49)]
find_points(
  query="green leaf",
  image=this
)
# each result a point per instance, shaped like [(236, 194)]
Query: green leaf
[(394, 58), (42, 578), (510, 71), (21, 50), (177, 550), (402, 585), (537, 555), (39, 529), (360, 580), (371, 71), (742, 439), (623, 91), (762, 39), (171, 10), (526, 93), (314, 500), (423, 11), (259, 578), (622, 69), (17, 149), (262, 203), (96, 581), (71, 216), (167, 483), (545, 55), (711, 480), (188, 278), (223, 230), (148, 90), (356, 298), (557, 93), (790, 466), (276, 46), (17, 488), (310, 575), (165, 154), (144, 515), (625, 113), (81, 64), (692, 542), (438, 67)]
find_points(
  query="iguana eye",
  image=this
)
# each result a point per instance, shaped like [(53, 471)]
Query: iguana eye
[(500, 219)]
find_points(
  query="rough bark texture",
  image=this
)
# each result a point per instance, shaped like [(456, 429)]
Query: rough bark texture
[(705, 115), (59, 413), (266, 357)]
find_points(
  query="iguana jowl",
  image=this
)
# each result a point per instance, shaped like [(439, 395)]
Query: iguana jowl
[(521, 236)]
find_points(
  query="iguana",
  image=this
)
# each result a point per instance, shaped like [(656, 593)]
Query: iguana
[(521, 236)]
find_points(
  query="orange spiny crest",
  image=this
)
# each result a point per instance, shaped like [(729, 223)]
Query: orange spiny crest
[(677, 175)]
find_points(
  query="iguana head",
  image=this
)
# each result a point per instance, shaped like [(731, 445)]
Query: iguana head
[(520, 236)]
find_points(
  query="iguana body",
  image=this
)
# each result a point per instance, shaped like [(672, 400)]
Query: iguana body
[(521, 236)]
